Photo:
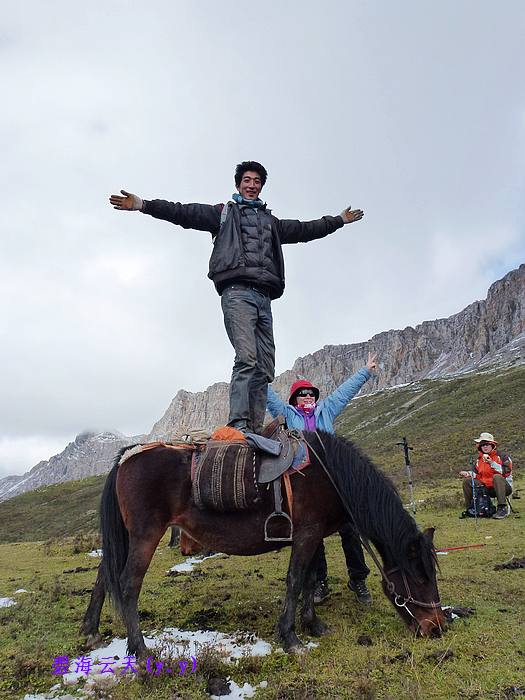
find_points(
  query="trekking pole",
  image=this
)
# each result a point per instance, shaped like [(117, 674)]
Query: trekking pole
[(406, 447), (474, 499)]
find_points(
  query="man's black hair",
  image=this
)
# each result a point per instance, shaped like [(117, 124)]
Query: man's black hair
[(252, 165)]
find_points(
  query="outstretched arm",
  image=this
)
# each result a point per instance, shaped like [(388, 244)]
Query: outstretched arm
[(291, 231), (338, 400), (202, 217)]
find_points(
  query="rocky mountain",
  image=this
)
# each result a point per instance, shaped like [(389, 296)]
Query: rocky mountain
[(88, 455), (486, 334)]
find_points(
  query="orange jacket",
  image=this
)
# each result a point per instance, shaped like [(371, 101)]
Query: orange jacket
[(485, 471)]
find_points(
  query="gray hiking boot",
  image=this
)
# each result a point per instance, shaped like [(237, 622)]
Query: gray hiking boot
[(501, 512), (241, 425), (321, 592), (361, 591)]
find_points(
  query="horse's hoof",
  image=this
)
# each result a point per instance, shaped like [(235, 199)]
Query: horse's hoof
[(317, 628), (93, 641), (142, 654), (298, 649)]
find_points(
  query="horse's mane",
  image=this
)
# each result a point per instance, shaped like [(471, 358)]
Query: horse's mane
[(122, 451), (376, 508)]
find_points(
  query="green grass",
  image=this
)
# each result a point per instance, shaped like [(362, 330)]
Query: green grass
[(488, 651), (245, 593)]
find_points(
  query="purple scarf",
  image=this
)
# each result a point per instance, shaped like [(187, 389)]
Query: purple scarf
[(309, 420)]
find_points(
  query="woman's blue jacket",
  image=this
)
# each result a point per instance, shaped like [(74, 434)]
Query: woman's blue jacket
[(326, 410)]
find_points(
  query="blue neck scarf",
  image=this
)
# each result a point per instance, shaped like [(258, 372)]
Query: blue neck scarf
[(247, 202)]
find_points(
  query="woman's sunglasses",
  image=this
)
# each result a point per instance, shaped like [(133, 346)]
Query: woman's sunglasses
[(306, 392)]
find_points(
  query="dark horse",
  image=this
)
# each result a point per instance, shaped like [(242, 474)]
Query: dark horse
[(151, 490)]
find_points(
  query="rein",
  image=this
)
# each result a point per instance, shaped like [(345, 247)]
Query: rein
[(399, 600)]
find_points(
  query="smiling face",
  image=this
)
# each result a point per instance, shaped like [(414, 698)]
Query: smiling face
[(486, 447), (305, 399), (250, 185)]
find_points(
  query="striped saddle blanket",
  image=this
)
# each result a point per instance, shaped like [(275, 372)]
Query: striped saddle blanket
[(224, 476)]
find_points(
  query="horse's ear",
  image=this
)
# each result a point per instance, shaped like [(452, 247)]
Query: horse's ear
[(429, 533), (417, 546)]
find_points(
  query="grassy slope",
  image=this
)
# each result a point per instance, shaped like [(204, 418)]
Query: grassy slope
[(53, 511), (440, 419)]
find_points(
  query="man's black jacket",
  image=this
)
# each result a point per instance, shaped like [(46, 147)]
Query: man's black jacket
[(247, 247)]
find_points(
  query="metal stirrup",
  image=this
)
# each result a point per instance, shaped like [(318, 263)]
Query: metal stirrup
[(278, 513)]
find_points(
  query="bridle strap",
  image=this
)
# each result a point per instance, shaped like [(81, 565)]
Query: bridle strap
[(410, 598)]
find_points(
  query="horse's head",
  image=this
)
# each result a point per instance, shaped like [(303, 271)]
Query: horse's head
[(412, 588)]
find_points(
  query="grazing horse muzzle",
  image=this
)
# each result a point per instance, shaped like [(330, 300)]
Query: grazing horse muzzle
[(422, 612), (432, 625)]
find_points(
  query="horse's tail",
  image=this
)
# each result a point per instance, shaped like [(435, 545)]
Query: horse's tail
[(115, 540)]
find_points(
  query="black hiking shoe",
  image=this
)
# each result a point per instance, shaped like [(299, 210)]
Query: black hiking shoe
[(321, 592), (361, 591), (501, 512)]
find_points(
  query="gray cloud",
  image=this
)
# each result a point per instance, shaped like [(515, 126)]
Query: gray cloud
[(412, 111)]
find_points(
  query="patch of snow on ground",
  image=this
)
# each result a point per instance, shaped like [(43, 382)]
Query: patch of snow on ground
[(7, 602), (18, 483), (189, 564), (50, 694), (409, 505), (174, 643), (95, 553), (238, 693)]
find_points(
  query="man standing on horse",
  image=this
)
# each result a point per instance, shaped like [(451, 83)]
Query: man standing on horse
[(247, 268)]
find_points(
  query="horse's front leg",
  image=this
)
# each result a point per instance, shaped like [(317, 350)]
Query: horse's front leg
[(309, 620), (91, 621), (131, 578), (303, 550)]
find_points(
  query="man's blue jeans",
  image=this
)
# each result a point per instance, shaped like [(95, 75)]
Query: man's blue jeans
[(249, 324)]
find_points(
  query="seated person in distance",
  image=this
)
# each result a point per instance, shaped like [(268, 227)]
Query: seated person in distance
[(493, 470)]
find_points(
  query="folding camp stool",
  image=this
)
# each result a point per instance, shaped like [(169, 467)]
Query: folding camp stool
[(510, 505)]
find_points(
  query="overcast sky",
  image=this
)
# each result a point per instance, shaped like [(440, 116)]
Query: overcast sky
[(413, 111)]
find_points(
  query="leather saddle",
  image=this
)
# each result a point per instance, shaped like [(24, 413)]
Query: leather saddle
[(226, 475)]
